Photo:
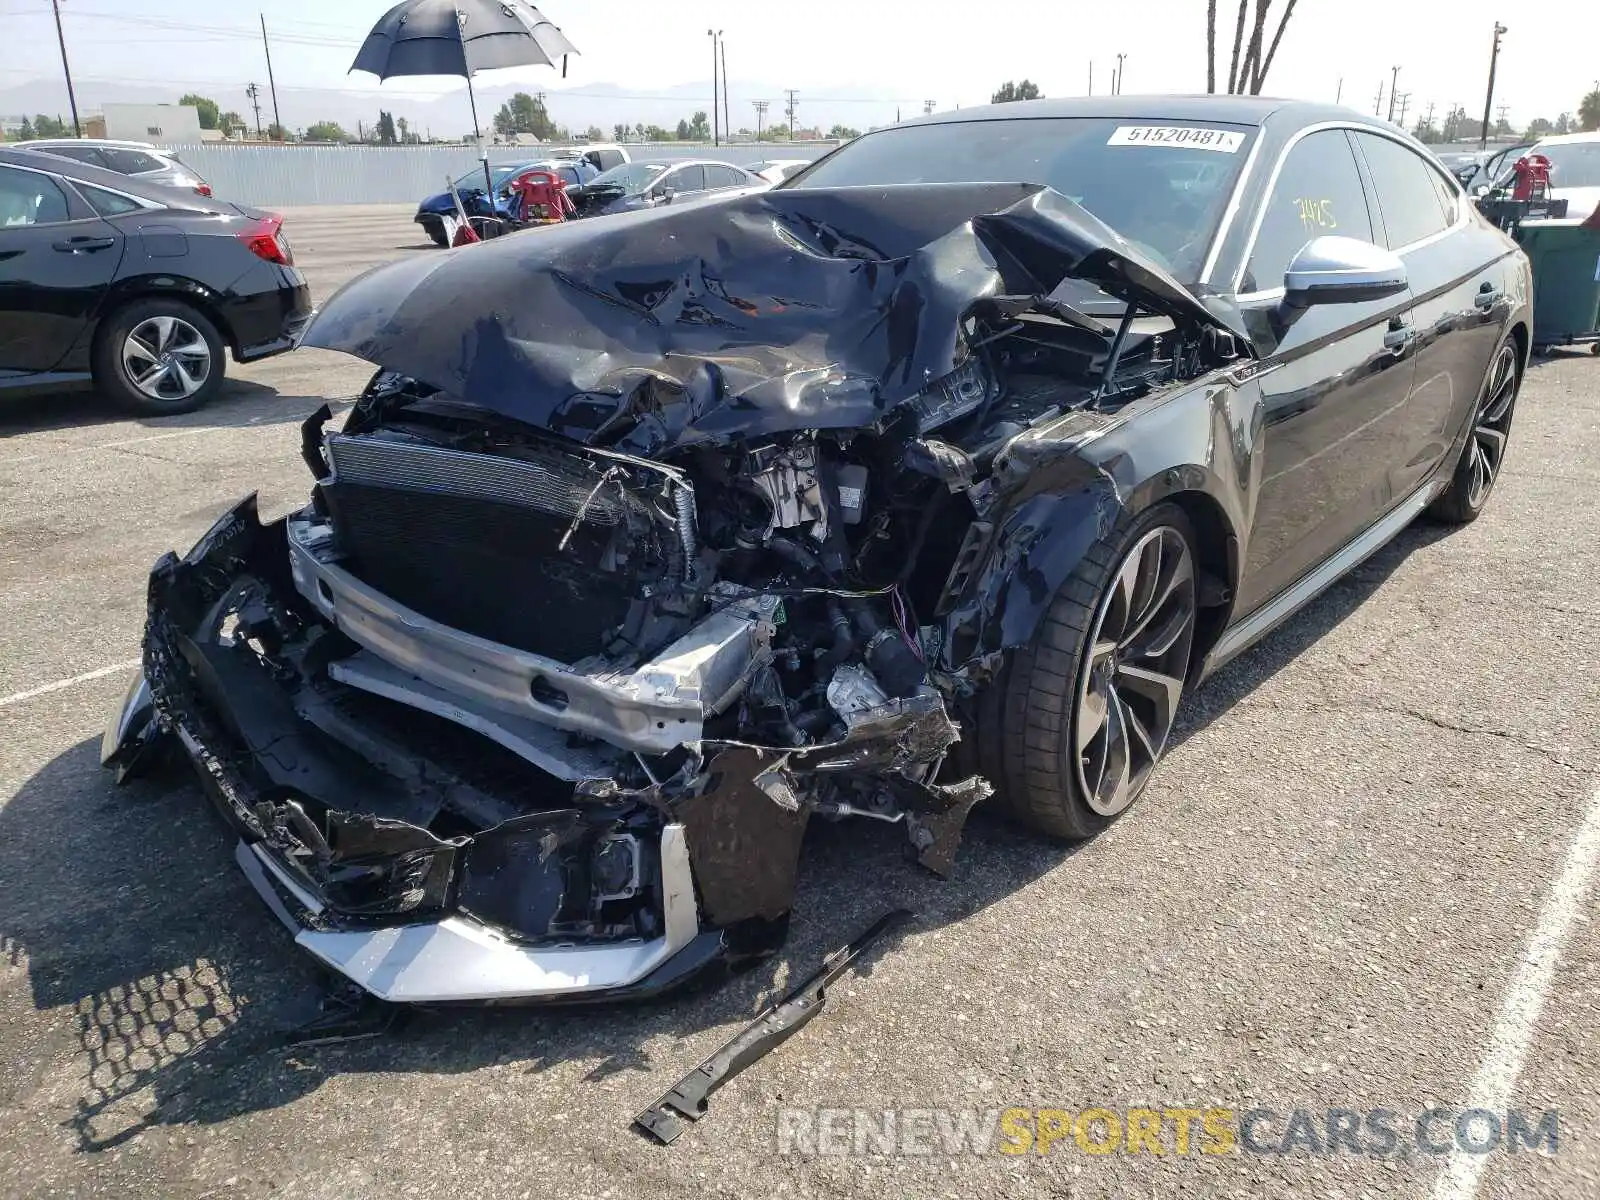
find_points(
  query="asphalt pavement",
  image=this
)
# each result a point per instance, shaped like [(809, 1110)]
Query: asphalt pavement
[(1362, 880)]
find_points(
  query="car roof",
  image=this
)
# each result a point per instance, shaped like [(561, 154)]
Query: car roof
[(114, 143), (1231, 110), (128, 185), (705, 162), (1567, 139)]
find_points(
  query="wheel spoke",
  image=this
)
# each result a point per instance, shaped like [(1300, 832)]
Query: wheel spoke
[(1492, 441), (1161, 689), (186, 382), (1117, 770), (1140, 735), (163, 330), (1179, 573), (1093, 712), (150, 376)]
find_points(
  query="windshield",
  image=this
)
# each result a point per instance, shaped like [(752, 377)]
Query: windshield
[(632, 177), (1161, 184), (474, 178), (1573, 164)]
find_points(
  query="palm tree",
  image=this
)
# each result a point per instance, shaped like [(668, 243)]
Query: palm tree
[(1589, 112), (1248, 73)]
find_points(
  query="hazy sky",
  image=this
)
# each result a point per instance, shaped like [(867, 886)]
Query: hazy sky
[(904, 50)]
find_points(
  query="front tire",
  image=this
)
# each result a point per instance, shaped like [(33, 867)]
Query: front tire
[(1479, 467), (159, 356), (436, 232), (1073, 728)]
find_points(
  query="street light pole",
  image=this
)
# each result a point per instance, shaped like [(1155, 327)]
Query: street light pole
[(716, 134), (1116, 80), (1488, 99), (72, 99), (1394, 90)]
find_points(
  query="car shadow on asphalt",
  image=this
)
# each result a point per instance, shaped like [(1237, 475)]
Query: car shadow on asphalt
[(241, 402), (179, 988)]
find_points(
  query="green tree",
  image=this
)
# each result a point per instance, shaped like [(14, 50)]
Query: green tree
[(1564, 123), (1026, 90), (50, 127), (843, 133), (1426, 132), (26, 132), (619, 132), (1502, 128), (206, 106), (594, 133), (385, 131), (404, 126), (700, 127), (278, 133), (524, 114), (326, 131), (683, 133), (229, 121), (1538, 128), (654, 133), (1589, 112), (1458, 126)]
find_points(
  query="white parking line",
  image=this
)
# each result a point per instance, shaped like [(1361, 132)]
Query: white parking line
[(1519, 1013), (62, 684)]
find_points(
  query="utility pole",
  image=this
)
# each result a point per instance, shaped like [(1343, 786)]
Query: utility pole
[(1405, 103), (1394, 90), (72, 99), (1116, 80), (1500, 111), (790, 110), (254, 92), (927, 107), (1091, 77), (761, 115), (1377, 105), (716, 129), (727, 121), (271, 83), (1488, 98), (1338, 92)]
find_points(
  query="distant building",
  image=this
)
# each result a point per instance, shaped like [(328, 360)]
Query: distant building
[(157, 123)]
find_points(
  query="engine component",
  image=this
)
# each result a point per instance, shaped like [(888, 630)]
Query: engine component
[(853, 691), (790, 480), (852, 483)]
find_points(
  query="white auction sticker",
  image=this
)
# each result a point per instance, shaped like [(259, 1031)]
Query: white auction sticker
[(1185, 137)]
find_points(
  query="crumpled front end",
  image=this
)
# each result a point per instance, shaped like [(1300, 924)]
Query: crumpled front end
[(646, 546)]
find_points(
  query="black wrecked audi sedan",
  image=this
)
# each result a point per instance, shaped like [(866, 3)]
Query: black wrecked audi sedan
[(141, 288), (935, 476)]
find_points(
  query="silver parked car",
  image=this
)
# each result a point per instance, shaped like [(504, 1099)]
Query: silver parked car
[(138, 160)]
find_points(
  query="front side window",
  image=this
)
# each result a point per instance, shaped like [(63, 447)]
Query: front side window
[(1160, 184), (1407, 195), (1317, 193), (722, 177), (1572, 164), (29, 198)]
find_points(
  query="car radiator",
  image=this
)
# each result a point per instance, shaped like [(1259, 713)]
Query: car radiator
[(547, 551)]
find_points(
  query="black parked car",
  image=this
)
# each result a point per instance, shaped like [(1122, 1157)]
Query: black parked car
[(944, 469), (140, 287)]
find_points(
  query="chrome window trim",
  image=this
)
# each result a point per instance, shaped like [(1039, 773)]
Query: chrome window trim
[(1232, 211), (1395, 136), (59, 178)]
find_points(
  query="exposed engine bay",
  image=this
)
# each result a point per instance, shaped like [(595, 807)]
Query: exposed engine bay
[(578, 696)]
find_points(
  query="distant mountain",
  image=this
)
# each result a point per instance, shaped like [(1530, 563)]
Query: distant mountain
[(602, 104)]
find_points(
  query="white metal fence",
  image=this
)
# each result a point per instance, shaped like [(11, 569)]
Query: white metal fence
[(267, 174)]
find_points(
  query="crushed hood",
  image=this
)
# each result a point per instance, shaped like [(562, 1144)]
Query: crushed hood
[(757, 314)]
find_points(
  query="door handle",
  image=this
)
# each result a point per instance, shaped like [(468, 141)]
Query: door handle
[(1487, 297), (84, 245), (1399, 337)]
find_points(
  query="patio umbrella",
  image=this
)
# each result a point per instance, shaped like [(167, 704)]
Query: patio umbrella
[(458, 37)]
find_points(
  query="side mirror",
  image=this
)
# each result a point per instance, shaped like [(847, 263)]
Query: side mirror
[(1481, 190), (1341, 270)]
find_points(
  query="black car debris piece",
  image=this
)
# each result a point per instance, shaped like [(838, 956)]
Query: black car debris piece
[(654, 539)]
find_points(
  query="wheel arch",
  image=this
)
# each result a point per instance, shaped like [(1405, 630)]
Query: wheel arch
[(197, 295)]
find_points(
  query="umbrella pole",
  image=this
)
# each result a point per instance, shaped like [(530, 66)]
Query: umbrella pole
[(483, 151)]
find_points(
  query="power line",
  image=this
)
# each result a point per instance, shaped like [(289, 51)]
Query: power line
[(761, 113)]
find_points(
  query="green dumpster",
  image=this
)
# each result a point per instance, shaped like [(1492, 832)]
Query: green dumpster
[(1566, 281)]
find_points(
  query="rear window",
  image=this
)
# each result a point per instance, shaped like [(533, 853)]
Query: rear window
[(1160, 184), (1573, 164), (131, 162), (107, 204), (83, 154)]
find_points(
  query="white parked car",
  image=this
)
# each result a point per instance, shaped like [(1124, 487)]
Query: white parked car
[(776, 170), (137, 160), (1574, 171)]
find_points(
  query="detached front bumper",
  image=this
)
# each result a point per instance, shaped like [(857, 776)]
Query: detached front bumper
[(434, 848)]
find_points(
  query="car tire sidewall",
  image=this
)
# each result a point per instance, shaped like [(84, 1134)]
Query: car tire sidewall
[(111, 378)]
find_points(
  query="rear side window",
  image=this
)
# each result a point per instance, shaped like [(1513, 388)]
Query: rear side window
[(107, 204), (1407, 194), (722, 177), (29, 198), (688, 179), (83, 154), (607, 158), (1318, 193), (131, 162)]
